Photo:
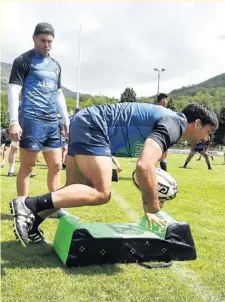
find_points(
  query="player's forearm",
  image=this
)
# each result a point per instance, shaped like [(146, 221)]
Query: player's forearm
[(146, 176), (61, 106), (115, 162), (13, 102)]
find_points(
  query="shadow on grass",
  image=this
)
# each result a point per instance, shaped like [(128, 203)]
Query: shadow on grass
[(6, 175), (40, 165), (125, 178), (6, 216), (187, 168), (44, 256)]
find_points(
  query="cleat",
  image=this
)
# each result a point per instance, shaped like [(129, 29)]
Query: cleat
[(32, 174), (115, 176), (12, 174), (23, 219), (36, 236)]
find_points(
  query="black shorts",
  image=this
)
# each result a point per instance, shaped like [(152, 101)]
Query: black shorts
[(6, 142), (199, 150)]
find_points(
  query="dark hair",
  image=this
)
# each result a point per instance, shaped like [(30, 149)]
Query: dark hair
[(161, 96), (195, 111), (44, 28)]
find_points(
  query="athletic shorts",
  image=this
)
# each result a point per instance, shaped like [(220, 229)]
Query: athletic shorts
[(6, 142), (39, 135), (87, 137), (199, 150), (15, 144), (200, 147)]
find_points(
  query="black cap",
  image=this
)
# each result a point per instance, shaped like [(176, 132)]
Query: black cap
[(44, 28), (161, 96)]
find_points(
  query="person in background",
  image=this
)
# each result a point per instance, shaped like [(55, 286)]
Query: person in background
[(200, 148), (162, 100)]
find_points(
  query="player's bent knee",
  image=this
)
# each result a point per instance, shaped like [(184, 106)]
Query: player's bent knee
[(14, 149), (27, 166), (55, 168), (104, 197), (25, 170)]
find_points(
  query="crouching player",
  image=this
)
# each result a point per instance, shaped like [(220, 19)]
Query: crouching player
[(96, 134)]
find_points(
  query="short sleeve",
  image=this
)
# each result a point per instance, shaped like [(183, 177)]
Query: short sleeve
[(168, 130), (19, 71)]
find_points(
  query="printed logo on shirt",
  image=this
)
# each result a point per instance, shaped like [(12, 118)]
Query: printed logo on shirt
[(44, 84), (138, 149)]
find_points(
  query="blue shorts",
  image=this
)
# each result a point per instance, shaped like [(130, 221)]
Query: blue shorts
[(39, 135), (199, 150), (87, 137)]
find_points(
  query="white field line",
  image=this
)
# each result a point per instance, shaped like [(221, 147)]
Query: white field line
[(189, 277)]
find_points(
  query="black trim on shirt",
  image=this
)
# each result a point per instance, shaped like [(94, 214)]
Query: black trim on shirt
[(168, 130), (20, 68)]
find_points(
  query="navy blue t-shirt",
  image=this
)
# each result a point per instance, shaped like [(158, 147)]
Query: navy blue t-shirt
[(40, 78), (126, 126)]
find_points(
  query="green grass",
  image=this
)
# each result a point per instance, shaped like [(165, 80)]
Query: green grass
[(36, 274)]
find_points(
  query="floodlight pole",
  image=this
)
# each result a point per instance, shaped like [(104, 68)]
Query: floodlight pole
[(158, 71), (79, 63)]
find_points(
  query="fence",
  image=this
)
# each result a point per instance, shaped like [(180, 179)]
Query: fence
[(187, 151)]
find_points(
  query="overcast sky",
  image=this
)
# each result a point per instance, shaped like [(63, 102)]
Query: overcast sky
[(123, 42)]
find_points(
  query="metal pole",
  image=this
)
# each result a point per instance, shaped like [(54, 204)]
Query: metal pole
[(158, 80), (158, 71), (79, 63)]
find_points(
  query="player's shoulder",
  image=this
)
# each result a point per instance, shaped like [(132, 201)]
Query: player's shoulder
[(25, 57)]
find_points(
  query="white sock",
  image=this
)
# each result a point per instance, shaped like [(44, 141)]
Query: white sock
[(11, 168)]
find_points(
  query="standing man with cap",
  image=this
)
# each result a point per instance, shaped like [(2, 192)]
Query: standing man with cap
[(37, 76), (162, 101)]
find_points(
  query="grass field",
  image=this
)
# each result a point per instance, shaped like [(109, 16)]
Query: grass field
[(36, 274)]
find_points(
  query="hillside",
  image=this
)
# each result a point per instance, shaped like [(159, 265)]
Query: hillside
[(5, 74), (208, 85)]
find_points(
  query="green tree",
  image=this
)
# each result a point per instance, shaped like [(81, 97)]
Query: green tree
[(128, 95), (4, 111), (219, 137), (222, 115), (172, 105)]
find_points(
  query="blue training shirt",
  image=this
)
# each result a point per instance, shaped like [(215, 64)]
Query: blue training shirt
[(126, 126), (40, 78)]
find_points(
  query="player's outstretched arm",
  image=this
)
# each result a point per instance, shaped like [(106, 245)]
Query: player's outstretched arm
[(146, 174)]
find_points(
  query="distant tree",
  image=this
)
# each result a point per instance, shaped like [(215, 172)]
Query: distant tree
[(84, 98), (4, 111), (172, 105), (128, 95), (222, 115), (219, 137), (71, 103)]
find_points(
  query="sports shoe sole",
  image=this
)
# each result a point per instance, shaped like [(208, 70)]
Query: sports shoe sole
[(14, 225)]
